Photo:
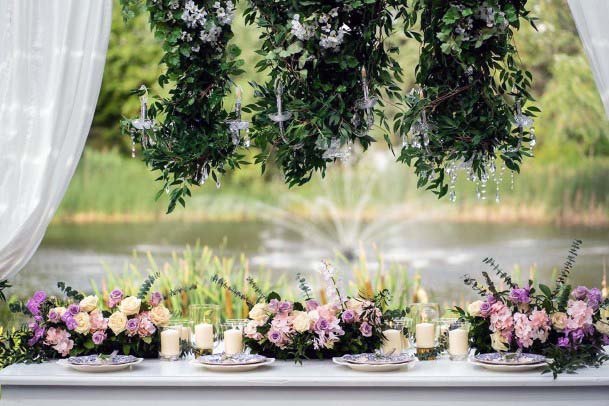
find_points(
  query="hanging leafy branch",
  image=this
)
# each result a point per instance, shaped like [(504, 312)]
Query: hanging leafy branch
[(4, 285), (470, 107)]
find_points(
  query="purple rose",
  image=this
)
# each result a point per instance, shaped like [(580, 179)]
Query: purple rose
[(321, 325), (273, 306), (605, 340), (366, 329), (485, 309), (564, 342), (311, 304), (115, 298), (73, 309), (348, 316), (275, 337), (99, 337), (580, 293), (491, 299), (156, 298), (595, 298), (132, 326), (39, 296), (520, 295), (284, 307), (577, 336), (54, 316)]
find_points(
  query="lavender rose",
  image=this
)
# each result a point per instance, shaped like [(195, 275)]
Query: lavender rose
[(321, 325), (595, 298), (564, 342), (580, 293), (115, 297), (275, 337), (156, 298), (54, 316), (311, 304), (520, 295), (366, 329), (39, 296), (99, 337), (348, 316), (74, 309), (577, 336), (485, 309), (284, 307)]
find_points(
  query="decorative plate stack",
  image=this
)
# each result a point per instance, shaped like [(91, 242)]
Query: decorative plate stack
[(232, 363), (375, 362), (509, 362)]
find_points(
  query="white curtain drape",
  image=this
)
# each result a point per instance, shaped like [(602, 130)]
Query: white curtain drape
[(52, 55), (592, 21)]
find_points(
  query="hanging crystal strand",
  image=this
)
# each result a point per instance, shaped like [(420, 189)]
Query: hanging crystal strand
[(452, 172), (132, 145), (280, 116), (367, 103), (478, 190), (512, 181), (533, 141), (483, 184)]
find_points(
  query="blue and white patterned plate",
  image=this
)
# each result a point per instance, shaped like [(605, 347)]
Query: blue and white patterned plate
[(510, 358), (377, 359), (237, 359), (102, 360)]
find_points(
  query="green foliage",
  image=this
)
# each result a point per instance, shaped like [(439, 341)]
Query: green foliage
[(568, 265), (472, 87), (14, 348), (304, 286), (70, 292), (4, 285), (147, 285)]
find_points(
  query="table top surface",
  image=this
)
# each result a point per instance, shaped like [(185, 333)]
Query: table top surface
[(440, 373)]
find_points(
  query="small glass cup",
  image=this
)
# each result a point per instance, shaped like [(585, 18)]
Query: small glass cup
[(170, 343), (444, 325), (206, 321), (232, 337), (458, 340), (425, 317)]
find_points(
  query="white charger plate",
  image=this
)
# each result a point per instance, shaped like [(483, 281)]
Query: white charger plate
[(232, 368), (374, 367), (507, 368), (98, 368)]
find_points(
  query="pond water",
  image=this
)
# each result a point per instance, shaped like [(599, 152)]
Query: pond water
[(440, 252)]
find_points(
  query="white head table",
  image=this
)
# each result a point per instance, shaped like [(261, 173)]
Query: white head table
[(320, 383)]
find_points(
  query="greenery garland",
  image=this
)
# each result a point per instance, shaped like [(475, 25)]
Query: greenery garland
[(314, 106)]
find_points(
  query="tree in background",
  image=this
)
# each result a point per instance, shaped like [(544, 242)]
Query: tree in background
[(132, 60)]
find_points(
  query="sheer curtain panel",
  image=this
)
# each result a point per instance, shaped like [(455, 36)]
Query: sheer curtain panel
[(52, 55), (592, 20)]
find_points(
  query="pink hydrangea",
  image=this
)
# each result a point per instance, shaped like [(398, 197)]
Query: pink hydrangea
[(146, 327), (535, 326), (98, 321), (580, 314), (59, 340)]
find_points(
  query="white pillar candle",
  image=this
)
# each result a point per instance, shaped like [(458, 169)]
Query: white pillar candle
[(170, 342), (204, 336), (393, 342), (185, 333), (426, 335), (233, 341), (458, 342)]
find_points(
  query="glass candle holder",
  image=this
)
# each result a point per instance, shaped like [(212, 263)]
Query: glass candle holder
[(458, 340), (426, 334), (170, 342), (206, 322), (232, 337), (443, 328), (393, 337)]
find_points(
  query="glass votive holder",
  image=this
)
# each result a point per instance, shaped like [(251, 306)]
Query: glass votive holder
[(458, 340), (393, 337), (426, 334), (232, 337), (170, 343), (205, 319), (443, 327)]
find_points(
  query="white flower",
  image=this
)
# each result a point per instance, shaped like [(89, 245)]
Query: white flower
[(88, 304), (130, 305), (117, 322), (497, 342), (474, 308), (301, 321), (83, 323), (259, 313), (193, 15), (300, 31), (160, 315), (211, 35)]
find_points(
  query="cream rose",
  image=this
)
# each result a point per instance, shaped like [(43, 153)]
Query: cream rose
[(497, 342), (60, 310), (83, 323), (301, 321), (354, 305), (117, 322), (602, 326), (474, 308), (88, 304), (259, 313), (130, 305), (160, 315), (559, 321)]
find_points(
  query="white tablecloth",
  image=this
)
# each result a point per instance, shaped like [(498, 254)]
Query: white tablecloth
[(284, 383)]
